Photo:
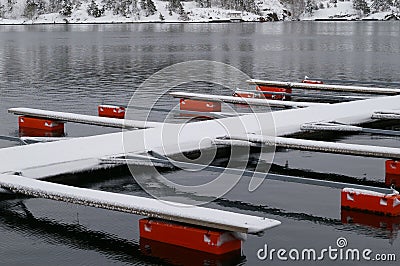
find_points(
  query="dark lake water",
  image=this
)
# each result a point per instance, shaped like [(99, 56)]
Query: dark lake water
[(76, 67)]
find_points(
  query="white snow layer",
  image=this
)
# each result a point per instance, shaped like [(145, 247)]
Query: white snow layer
[(143, 206), (194, 13), (83, 119), (368, 192), (66, 156), (323, 146), (251, 101), (343, 88)]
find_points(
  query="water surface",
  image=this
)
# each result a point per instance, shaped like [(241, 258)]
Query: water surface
[(76, 67)]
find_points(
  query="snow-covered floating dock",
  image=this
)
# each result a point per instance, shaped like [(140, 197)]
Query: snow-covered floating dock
[(240, 100), (319, 146), (79, 154), (171, 211), (388, 114), (41, 160), (323, 87), (83, 119)]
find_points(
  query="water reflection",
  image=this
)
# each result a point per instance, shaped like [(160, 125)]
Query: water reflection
[(384, 226), (30, 132), (184, 256), (74, 68), (15, 216)]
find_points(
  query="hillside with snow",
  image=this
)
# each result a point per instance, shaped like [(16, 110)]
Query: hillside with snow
[(127, 11), (351, 9)]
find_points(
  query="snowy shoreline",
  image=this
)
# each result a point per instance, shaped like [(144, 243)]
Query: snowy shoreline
[(42, 12), (17, 23), (30, 23)]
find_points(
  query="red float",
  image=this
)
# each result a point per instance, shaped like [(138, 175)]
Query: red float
[(47, 125), (276, 90), (32, 132), (245, 94), (200, 106), (198, 238), (111, 111), (392, 170), (369, 201), (309, 81)]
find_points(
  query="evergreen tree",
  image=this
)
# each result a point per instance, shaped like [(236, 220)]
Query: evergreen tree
[(309, 8), (111, 4), (203, 3), (34, 8), (10, 5), (54, 6), (175, 6), (296, 7), (94, 10), (148, 7), (381, 5), (182, 14), (2, 11), (361, 6), (125, 8), (151, 8), (66, 8), (143, 4), (396, 4)]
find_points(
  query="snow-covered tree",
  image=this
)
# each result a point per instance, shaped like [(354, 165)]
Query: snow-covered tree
[(174, 5), (143, 4), (2, 10), (66, 8), (296, 7), (94, 10), (361, 6), (54, 6), (396, 4), (203, 3), (381, 5), (310, 7), (240, 5), (148, 7), (34, 8), (126, 8), (151, 7)]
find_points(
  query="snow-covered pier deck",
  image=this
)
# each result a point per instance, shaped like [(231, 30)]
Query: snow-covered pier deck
[(79, 154), (319, 146), (83, 119), (323, 87), (171, 211), (240, 100), (21, 165)]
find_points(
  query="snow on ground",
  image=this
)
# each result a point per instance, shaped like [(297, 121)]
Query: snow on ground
[(342, 10), (195, 14)]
